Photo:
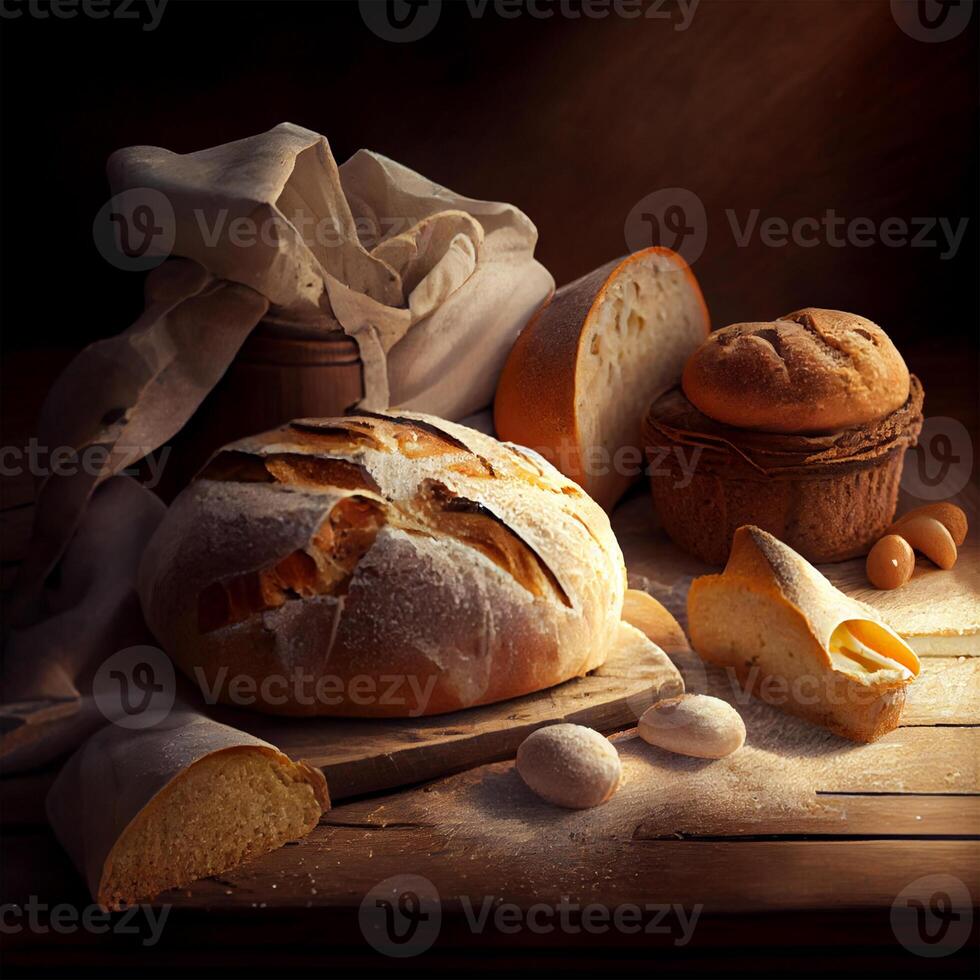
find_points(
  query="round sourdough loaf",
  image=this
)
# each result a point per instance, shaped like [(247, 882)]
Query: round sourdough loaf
[(381, 565), (811, 371)]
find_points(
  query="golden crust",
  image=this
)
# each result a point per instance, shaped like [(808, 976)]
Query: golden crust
[(769, 617), (537, 399), (440, 569), (810, 371)]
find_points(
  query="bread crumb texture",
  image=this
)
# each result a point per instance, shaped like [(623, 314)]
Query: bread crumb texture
[(219, 813)]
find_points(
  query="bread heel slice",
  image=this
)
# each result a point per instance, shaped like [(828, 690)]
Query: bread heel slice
[(140, 812), (584, 370), (798, 643)]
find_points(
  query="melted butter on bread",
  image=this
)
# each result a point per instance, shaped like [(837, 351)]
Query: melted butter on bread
[(860, 646)]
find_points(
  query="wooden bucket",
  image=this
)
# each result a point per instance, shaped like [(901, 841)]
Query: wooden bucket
[(280, 373)]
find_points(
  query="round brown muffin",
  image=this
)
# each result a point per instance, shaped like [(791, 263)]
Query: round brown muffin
[(809, 372), (829, 497)]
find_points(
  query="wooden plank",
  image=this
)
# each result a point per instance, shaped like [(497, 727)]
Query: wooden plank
[(311, 929), (838, 816), (947, 692), (484, 831), (362, 756), (907, 760), (336, 866)]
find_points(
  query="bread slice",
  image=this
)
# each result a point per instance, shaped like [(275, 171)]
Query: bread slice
[(143, 811), (798, 643), (584, 370)]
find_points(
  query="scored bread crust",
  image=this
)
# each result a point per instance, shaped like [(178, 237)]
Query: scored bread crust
[(405, 564), (810, 371), (539, 401), (769, 617)]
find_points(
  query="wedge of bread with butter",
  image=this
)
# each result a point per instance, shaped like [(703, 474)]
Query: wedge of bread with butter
[(798, 643)]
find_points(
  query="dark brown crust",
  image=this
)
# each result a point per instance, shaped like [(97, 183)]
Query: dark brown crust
[(828, 497), (811, 371), (533, 406)]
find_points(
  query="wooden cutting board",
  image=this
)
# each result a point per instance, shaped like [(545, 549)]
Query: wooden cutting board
[(362, 756)]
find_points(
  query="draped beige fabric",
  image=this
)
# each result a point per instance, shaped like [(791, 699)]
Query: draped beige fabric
[(432, 286)]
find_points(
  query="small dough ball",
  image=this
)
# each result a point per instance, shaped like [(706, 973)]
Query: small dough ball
[(570, 765), (694, 724)]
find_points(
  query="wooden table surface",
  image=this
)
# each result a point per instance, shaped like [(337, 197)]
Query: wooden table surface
[(737, 880)]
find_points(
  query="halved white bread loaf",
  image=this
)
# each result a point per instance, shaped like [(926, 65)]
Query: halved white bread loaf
[(581, 375), (141, 811), (797, 642), (381, 565)]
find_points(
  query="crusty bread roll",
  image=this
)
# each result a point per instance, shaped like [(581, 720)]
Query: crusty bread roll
[(811, 371), (140, 811), (583, 371), (797, 642), (381, 565)]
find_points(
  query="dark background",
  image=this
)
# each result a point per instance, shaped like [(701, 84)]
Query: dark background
[(792, 107)]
